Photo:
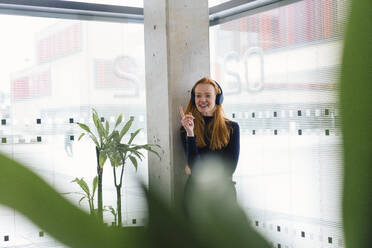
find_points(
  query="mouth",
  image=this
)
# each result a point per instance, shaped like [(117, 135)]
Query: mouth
[(202, 106)]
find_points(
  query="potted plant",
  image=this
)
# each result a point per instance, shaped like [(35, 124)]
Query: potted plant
[(119, 153), (87, 194), (108, 145), (100, 142)]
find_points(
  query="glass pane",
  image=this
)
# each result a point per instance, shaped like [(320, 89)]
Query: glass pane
[(279, 70), (53, 72), (130, 3)]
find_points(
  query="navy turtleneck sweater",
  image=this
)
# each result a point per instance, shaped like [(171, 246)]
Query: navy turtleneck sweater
[(229, 154)]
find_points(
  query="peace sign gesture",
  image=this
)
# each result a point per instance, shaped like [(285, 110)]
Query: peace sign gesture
[(187, 122)]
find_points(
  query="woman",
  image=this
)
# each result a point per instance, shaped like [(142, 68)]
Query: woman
[(206, 132)]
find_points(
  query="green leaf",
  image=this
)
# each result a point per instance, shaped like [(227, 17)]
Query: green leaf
[(82, 198), (107, 127), (112, 210), (132, 136), (99, 126), (126, 127), (148, 147), (119, 120), (157, 154), (101, 132), (83, 185), (356, 112), (124, 147), (94, 138), (134, 161), (138, 154), (95, 184), (81, 136), (102, 159), (59, 217), (158, 146), (95, 117), (115, 136), (85, 127)]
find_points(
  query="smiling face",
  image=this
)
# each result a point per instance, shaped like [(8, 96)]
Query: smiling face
[(205, 99)]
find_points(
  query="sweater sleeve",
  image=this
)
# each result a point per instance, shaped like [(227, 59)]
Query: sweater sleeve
[(233, 148), (190, 148)]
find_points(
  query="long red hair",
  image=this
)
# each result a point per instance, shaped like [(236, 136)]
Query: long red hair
[(218, 128)]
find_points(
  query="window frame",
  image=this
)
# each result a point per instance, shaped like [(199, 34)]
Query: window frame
[(228, 11)]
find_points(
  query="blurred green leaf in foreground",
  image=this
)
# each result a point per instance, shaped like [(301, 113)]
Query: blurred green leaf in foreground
[(356, 109), (215, 221)]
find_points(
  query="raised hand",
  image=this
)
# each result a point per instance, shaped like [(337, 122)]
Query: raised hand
[(187, 170), (187, 122)]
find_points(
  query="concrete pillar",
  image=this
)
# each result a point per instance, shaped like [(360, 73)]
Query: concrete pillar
[(177, 55)]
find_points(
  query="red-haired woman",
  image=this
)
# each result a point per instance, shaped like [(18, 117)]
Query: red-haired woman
[(205, 131)]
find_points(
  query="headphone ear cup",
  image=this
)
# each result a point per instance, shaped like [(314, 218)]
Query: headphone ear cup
[(219, 99), (192, 98)]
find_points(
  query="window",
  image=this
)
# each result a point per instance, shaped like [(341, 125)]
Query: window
[(279, 70), (53, 73)]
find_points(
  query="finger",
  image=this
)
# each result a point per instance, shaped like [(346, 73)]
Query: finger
[(185, 123), (189, 120), (181, 111), (190, 116)]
